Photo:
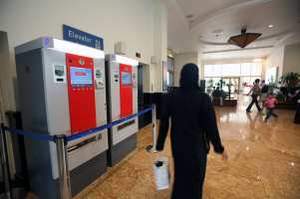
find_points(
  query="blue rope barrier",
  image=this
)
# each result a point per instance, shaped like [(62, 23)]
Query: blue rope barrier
[(45, 137), (106, 126), (34, 136), (86, 133)]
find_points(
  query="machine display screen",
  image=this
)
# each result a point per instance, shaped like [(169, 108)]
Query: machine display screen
[(126, 78), (81, 76)]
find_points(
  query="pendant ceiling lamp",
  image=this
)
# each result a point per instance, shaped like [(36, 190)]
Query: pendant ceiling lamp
[(244, 39)]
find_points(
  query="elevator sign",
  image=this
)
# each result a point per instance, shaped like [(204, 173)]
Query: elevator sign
[(83, 38)]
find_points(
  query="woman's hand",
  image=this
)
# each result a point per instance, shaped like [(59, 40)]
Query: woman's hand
[(224, 155)]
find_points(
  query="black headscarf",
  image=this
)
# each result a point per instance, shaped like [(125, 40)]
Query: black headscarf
[(189, 77)]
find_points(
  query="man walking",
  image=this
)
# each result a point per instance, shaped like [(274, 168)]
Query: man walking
[(255, 92)]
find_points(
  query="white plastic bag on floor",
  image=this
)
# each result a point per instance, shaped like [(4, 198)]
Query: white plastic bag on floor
[(161, 172)]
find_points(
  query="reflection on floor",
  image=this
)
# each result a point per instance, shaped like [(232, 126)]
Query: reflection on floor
[(264, 162)]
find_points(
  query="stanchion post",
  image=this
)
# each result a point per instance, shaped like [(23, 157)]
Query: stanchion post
[(64, 175), (5, 166), (154, 127), (152, 148)]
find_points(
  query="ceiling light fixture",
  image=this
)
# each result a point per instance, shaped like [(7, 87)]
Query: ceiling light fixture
[(270, 26), (257, 60), (244, 38)]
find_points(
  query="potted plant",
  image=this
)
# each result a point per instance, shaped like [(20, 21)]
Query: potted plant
[(290, 80)]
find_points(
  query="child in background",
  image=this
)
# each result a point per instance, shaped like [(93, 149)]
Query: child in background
[(270, 104)]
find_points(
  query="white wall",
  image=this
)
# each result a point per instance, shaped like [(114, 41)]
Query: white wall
[(181, 60), (141, 24), (286, 58), (291, 61), (275, 59), (160, 43)]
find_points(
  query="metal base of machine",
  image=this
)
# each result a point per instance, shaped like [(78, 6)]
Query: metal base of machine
[(88, 172), (119, 151), (80, 178)]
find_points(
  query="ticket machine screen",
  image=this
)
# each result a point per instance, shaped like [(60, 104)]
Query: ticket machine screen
[(81, 76), (126, 78)]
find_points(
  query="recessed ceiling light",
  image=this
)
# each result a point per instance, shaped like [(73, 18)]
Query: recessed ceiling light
[(270, 26), (257, 60)]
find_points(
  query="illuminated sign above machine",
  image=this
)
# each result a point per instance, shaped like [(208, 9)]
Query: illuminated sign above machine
[(72, 48), (124, 60)]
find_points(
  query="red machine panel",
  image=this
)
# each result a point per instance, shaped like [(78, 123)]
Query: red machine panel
[(81, 93), (126, 90)]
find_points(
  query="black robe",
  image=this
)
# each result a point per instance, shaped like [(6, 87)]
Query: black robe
[(193, 127)]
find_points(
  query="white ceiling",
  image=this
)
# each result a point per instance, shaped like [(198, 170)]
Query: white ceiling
[(214, 21)]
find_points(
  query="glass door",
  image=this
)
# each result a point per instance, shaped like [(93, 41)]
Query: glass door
[(231, 86)]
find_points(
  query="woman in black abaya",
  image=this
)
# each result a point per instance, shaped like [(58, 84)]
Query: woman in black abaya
[(193, 127)]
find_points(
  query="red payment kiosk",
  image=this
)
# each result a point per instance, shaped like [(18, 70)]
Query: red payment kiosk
[(126, 90), (81, 93), (121, 73)]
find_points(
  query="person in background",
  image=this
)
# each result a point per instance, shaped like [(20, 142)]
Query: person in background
[(217, 92), (264, 91), (255, 92), (193, 127), (270, 104)]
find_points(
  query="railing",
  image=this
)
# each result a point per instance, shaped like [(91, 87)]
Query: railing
[(61, 142)]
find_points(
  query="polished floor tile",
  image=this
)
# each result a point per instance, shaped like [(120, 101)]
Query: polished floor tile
[(264, 161)]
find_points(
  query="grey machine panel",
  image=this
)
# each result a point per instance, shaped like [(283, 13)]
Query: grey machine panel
[(119, 151), (33, 109), (45, 109)]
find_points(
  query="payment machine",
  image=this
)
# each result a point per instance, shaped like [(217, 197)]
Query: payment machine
[(121, 73), (62, 91)]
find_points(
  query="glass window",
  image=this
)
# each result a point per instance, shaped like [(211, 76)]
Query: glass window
[(231, 70), (247, 72), (208, 71), (213, 70), (272, 75), (217, 70), (253, 78), (245, 69), (256, 69), (168, 73), (245, 84)]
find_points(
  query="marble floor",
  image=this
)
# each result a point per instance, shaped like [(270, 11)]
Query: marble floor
[(264, 162)]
